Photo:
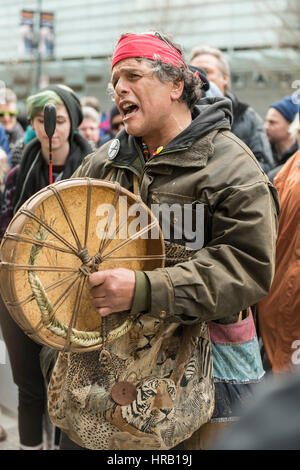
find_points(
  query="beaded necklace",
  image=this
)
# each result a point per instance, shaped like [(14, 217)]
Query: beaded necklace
[(146, 153)]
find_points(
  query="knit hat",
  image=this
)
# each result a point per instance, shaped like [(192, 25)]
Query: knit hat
[(286, 107), (71, 103), (113, 112)]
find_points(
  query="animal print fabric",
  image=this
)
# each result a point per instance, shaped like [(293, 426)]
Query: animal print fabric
[(171, 367)]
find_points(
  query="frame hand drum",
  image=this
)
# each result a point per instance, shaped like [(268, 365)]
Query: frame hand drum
[(55, 241)]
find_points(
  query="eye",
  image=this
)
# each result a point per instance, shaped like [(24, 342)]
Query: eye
[(146, 392), (133, 76), (114, 81)]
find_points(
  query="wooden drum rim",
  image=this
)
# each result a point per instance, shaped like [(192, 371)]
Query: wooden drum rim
[(73, 339)]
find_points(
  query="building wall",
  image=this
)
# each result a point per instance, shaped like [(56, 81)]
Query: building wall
[(252, 34)]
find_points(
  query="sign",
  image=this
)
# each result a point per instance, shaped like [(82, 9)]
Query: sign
[(36, 34), (26, 33), (46, 40)]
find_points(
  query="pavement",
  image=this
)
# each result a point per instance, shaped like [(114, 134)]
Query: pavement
[(9, 421), (9, 405)]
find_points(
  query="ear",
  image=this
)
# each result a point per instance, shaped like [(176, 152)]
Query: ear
[(176, 90), (225, 79), (31, 123)]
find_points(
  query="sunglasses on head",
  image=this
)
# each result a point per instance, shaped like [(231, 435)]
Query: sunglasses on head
[(8, 113)]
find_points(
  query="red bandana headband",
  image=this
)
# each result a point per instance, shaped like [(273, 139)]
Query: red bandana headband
[(146, 46)]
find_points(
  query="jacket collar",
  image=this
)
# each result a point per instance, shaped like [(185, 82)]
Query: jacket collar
[(211, 114)]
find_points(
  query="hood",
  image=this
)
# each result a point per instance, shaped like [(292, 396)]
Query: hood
[(208, 114), (72, 105), (238, 108)]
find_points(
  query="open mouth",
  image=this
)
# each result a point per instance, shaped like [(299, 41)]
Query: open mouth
[(129, 109)]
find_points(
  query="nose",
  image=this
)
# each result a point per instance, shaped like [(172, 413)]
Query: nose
[(122, 87)]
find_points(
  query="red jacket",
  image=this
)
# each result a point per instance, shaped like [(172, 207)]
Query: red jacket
[(279, 311)]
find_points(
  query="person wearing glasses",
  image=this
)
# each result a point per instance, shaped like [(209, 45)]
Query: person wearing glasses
[(247, 124), (104, 131), (89, 128), (174, 149), (116, 121), (24, 180), (8, 117)]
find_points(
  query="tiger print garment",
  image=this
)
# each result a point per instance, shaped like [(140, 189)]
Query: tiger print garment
[(171, 368)]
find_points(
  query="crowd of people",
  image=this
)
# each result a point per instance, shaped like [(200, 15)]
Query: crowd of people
[(233, 303)]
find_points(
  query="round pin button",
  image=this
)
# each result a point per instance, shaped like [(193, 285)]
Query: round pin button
[(123, 393), (163, 314), (114, 149)]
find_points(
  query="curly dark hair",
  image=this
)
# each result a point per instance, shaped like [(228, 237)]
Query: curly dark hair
[(192, 90)]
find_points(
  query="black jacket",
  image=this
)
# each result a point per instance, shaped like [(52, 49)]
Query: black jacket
[(249, 127), (283, 159), (204, 164), (33, 173)]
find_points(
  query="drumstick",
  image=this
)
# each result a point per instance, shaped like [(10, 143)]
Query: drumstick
[(49, 126)]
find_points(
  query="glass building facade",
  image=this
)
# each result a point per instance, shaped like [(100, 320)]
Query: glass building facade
[(260, 39)]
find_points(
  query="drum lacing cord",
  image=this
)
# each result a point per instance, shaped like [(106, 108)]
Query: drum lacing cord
[(84, 255), (48, 311), (90, 264), (79, 275), (82, 338)]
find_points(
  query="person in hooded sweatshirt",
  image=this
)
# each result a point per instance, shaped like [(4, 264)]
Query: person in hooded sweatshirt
[(174, 151), (68, 150), (247, 125)]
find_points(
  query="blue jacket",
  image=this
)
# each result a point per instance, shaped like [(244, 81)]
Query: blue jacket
[(4, 143)]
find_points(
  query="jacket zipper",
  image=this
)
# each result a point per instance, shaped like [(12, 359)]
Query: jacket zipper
[(141, 157), (163, 153), (133, 170)]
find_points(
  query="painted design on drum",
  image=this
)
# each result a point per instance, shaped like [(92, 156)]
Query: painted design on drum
[(53, 324), (70, 250)]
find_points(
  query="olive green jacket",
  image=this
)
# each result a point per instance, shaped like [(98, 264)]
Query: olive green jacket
[(206, 164)]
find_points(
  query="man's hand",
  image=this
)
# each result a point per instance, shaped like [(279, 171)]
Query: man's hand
[(112, 290)]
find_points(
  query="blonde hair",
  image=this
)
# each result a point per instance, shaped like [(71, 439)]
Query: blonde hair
[(4, 169), (91, 102), (91, 113), (294, 128), (223, 64), (9, 96)]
